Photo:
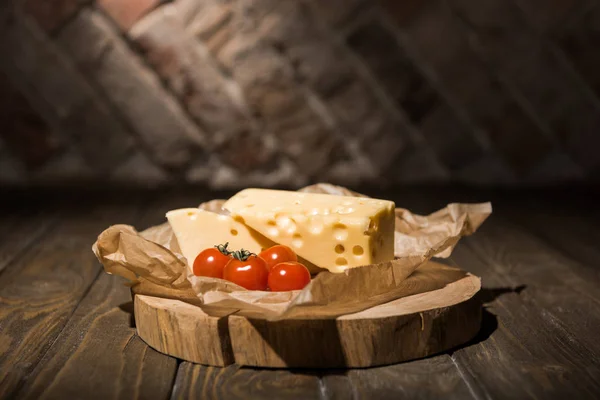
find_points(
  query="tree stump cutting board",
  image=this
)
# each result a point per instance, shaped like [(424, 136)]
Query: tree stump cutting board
[(411, 327)]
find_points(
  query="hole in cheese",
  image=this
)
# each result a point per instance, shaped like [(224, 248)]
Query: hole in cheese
[(297, 240), (339, 249), (234, 232), (271, 222), (341, 261), (340, 231), (239, 219), (358, 250)]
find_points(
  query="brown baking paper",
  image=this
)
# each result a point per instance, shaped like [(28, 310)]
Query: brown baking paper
[(151, 261)]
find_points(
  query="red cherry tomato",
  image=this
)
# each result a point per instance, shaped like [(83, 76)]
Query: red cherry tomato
[(210, 262), (277, 254), (251, 274), (288, 276)]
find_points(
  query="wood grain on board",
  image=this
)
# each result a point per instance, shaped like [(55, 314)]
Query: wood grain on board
[(183, 330), (211, 383), (408, 328), (40, 290), (100, 340), (62, 331), (19, 232), (430, 378), (525, 279), (571, 233), (532, 350)]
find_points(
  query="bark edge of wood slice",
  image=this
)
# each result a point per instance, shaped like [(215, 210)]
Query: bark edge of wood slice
[(412, 327)]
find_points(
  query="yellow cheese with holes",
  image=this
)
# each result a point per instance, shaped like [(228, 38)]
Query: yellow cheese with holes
[(332, 232), (196, 230)]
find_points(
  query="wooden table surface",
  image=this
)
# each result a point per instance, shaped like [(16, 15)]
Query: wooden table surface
[(66, 327)]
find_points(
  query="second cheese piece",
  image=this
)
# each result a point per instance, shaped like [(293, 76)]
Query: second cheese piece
[(197, 230), (332, 232)]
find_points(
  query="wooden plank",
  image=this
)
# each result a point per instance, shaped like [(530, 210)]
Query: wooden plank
[(19, 231), (430, 378), (100, 341), (567, 230), (201, 382), (534, 352), (555, 283), (40, 291), (541, 345)]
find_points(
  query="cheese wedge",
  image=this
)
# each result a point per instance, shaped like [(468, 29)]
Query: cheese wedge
[(332, 232), (196, 230)]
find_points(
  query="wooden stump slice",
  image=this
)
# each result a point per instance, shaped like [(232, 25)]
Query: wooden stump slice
[(182, 330), (411, 327)]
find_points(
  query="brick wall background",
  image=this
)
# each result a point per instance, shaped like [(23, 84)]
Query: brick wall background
[(286, 92)]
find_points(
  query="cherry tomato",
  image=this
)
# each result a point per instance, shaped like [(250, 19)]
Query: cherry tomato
[(210, 262), (277, 254), (251, 274), (288, 276)]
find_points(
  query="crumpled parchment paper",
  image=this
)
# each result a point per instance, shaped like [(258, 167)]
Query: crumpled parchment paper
[(151, 261)]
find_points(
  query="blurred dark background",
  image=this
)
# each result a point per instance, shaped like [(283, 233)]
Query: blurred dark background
[(231, 93)]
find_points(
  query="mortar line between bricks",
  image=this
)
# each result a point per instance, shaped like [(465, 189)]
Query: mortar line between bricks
[(524, 104), (140, 143), (209, 60), (71, 141), (136, 53), (509, 88), (329, 119), (254, 123), (314, 102), (92, 87), (227, 78), (575, 75), (560, 55), (506, 84), (66, 21), (479, 134), (259, 126), (364, 72), (39, 103), (317, 104), (309, 98)]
